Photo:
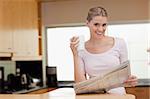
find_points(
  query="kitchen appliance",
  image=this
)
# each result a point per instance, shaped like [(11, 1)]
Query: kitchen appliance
[(1, 79), (51, 75)]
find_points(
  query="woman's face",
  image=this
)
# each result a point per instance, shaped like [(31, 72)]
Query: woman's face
[(97, 26)]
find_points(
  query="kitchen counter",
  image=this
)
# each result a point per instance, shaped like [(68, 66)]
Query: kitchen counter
[(143, 83), (65, 93), (24, 91)]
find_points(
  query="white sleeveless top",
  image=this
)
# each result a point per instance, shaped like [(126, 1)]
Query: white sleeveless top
[(97, 64)]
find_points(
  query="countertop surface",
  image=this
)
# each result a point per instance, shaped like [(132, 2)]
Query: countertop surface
[(69, 84), (65, 93), (143, 83)]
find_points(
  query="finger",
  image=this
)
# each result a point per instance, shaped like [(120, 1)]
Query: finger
[(132, 77), (133, 84), (74, 42), (71, 39), (131, 80), (76, 45), (74, 38)]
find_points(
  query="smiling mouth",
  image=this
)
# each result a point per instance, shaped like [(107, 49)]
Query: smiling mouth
[(99, 33)]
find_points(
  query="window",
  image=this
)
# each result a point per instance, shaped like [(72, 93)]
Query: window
[(137, 38), (59, 53)]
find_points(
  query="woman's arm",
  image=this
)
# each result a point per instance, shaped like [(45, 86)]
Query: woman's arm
[(123, 51), (79, 73), (132, 80)]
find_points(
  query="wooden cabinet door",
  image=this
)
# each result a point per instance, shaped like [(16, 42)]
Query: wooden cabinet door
[(5, 41), (139, 92), (25, 36), (6, 26), (19, 28)]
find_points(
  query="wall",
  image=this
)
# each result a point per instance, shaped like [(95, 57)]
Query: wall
[(149, 10), (75, 11), (9, 67)]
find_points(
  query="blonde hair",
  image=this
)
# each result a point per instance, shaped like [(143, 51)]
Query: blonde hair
[(96, 11)]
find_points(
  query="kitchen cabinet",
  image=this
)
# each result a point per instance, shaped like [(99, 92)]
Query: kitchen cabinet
[(19, 29), (5, 28), (25, 36), (139, 92), (6, 43)]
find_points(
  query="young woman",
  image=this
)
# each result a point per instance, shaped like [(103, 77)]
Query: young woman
[(101, 52)]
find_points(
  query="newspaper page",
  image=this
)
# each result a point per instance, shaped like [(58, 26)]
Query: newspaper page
[(102, 83)]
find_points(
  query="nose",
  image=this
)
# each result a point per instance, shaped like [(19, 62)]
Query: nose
[(100, 28)]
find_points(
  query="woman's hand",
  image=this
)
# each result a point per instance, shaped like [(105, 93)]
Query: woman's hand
[(131, 81), (74, 42)]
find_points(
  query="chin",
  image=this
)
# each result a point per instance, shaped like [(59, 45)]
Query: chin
[(100, 35)]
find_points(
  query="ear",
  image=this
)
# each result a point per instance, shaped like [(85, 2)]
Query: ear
[(87, 23)]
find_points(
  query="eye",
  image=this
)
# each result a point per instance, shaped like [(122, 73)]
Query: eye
[(96, 24), (104, 24)]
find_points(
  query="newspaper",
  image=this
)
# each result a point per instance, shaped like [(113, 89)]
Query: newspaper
[(102, 83)]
